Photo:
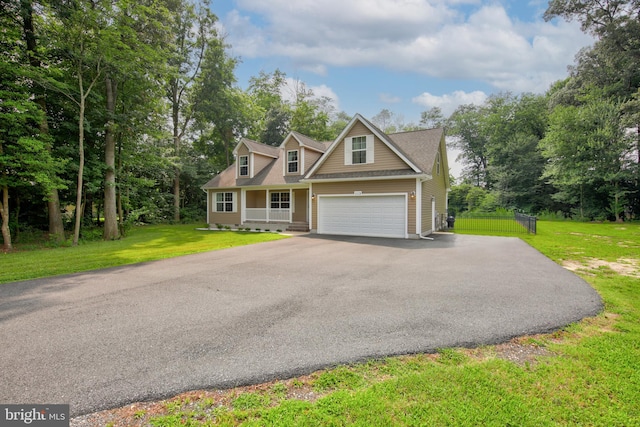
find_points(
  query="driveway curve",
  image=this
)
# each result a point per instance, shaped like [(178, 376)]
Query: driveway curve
[(244, 315)]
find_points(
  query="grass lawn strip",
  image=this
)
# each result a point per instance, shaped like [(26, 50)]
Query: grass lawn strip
[(146, 243), (584, 374)]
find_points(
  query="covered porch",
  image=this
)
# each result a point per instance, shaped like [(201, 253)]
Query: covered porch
[(276, 205)]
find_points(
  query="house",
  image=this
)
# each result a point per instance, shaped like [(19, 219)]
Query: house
[(365, 183)]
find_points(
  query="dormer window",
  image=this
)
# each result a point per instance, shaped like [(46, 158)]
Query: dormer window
[(358, 150), (243, 162), (292, 161)]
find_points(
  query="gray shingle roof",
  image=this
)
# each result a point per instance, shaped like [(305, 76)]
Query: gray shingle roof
[(308, 142), (420, 147)]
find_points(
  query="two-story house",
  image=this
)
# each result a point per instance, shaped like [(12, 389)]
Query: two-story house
[(364, 183)]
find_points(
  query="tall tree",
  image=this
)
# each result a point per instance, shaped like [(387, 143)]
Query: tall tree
[(78, 29), (466, 127), (56, 226), (223, 110), (192, 29), (132, 62)]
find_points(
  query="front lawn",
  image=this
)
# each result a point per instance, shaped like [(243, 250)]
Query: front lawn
[(144, 243)]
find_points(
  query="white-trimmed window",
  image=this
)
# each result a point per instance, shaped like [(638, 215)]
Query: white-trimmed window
[(224, 202), (292, 161), (438, 163), (280, 200), (358, 150), (243, 162)]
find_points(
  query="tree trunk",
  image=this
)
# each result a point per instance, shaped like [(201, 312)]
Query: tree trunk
[(4, 213), (56, 226), (76, 228), (110, 231), (119, 194), (176, 147)]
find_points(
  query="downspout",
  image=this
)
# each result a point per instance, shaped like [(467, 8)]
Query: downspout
[(208, 205)]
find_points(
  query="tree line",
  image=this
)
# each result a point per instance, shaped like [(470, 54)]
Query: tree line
[(115, 111)]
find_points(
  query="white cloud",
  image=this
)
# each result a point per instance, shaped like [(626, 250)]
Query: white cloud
[(449, 102), (438, 38)]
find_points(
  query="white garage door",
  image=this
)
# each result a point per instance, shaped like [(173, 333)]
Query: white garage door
[(380, 216)]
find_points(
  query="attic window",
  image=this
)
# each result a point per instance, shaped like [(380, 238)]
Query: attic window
[(244, 165), (438, 163), (358, 150), (292, 161)]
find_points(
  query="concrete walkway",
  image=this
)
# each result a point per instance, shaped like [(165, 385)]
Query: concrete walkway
[(249, 314)]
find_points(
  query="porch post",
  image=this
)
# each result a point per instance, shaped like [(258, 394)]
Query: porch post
[(268, 205), (290, 205), (243, 205)]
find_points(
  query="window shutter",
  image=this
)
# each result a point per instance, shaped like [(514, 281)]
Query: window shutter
[(369, 148), (348, 159)]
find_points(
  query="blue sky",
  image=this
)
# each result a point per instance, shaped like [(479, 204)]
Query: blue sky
[(403, 55)]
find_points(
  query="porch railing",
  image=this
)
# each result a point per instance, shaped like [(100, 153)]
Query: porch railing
[(260, 214)]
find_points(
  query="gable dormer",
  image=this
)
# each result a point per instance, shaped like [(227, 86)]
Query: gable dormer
[(362, 147), (299, 153), (252, 157)]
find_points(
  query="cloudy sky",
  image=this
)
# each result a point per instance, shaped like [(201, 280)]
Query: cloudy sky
[(402, 55)]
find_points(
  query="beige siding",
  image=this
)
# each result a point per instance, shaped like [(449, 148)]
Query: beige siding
[(226, 218), (434, 187), (369, 187), (256, 199), (310, 157), (300, 210), (384, 158)]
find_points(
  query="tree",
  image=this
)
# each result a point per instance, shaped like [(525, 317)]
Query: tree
[(223, 110), (78, 31), (274, 114), (586, 150), (192, 29), (134, 58), (25, 160), (466, 127), (432, 118)]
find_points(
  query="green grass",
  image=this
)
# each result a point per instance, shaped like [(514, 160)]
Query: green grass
[(147, 243), (591, 376)]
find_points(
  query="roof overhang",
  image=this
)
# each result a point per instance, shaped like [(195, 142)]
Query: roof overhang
[(422, 177)]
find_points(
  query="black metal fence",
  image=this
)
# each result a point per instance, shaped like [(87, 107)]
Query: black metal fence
[(499, 223)]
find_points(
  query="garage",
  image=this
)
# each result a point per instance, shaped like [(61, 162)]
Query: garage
[(363, 215)]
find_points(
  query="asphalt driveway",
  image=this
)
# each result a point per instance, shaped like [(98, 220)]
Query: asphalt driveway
[(272, 310)]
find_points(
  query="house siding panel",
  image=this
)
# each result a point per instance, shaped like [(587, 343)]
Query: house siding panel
[(310, 158), (369, 187), (226, 218), (434, 187), (384, 158)]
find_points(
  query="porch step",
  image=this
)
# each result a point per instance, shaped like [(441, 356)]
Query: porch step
[(298, 226)]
